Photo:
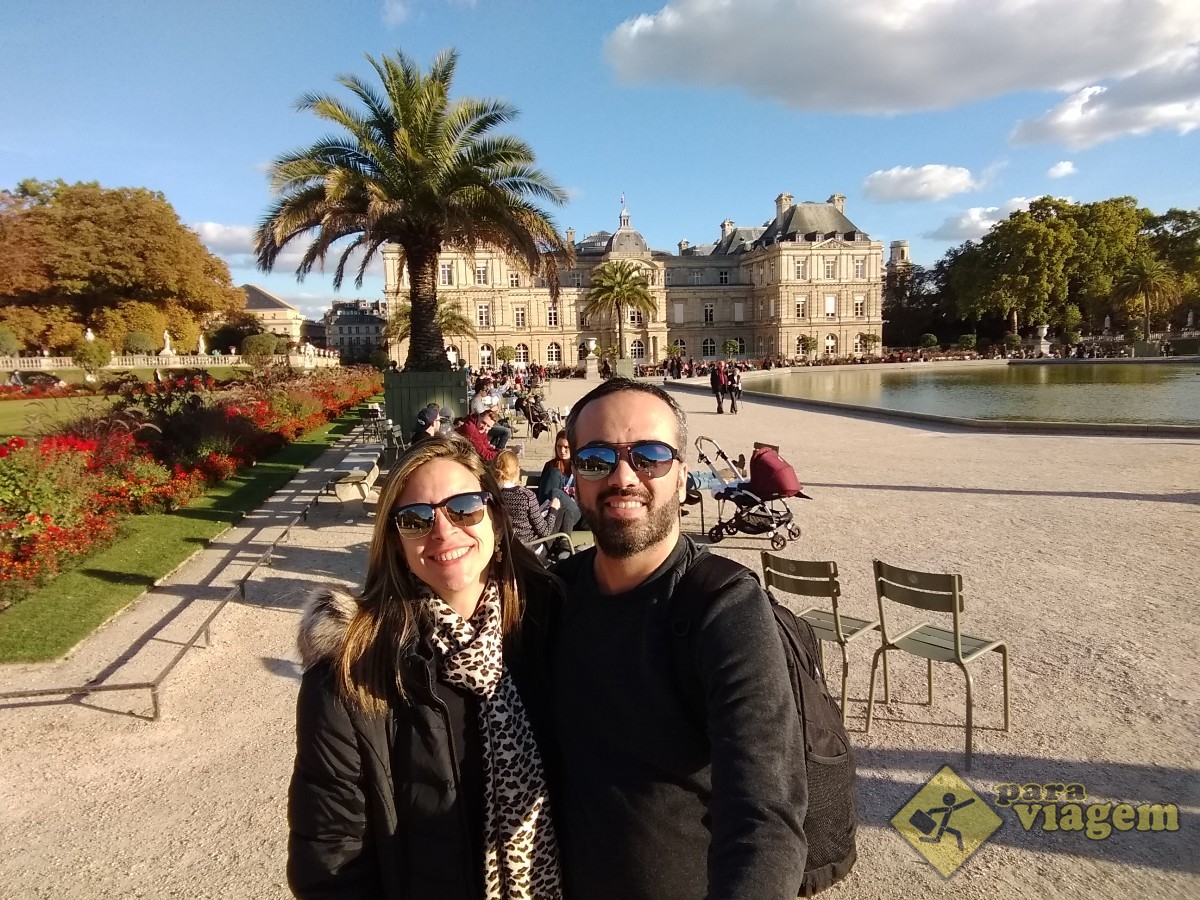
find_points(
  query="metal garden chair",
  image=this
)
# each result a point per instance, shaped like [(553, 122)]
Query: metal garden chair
[(939, 593), (818, 579)]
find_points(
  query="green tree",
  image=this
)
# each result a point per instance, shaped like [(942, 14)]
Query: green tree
[(1149, 280), (674, 351), (9, 345), (412, 168), (967, 342), (91, 356), (258, 349), (506, 354), (451, 321), (139, 342), (870, 341), (730, 348), (807, 343), (928, 341), (235, 329), (618, 285)]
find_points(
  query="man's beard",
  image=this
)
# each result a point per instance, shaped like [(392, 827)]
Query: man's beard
[(623, 538)]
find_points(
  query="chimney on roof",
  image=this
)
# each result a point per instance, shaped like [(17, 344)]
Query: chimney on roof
[(570, 235), (782, 202), (727, 228), (838, 202), (683, 245)]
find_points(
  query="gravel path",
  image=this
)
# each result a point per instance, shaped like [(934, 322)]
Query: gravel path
[(1081, 551)]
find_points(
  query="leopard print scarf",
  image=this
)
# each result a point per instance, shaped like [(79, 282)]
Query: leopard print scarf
[(520, 850)]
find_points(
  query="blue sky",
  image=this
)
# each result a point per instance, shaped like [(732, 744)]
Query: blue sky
[(934, 117)]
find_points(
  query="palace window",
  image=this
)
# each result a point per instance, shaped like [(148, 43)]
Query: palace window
[(483, 315), (522, 353), (481, 276), (554, 354), (860, 268), (830, 268), (446, 273), (831, 345), (677, 307), (637, 350), (485, 354), (739, 310), (576, 279), (801, 307), (636, 317), (830, 306), (742, 346), (682, 345), (860, 306), (519, 317), (697, 277), (858, 343), (708, 349), (802, 270), (723, 276), (552, 315), (514, 279)]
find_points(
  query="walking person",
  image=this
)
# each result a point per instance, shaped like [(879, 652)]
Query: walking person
[(733, 387), (656, 799), (417, 772), (716, 382)]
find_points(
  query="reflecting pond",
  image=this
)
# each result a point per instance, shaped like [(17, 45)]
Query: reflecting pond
[(1145, 393)]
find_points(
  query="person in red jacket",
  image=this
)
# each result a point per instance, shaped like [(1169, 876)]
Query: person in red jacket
[(475, 429)]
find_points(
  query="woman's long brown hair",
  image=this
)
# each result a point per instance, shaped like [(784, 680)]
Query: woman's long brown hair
[(389, 621)]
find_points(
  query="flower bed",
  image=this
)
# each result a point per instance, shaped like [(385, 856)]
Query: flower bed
[(64, 495)]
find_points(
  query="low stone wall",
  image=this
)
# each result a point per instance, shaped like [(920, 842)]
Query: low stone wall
[(174, 361)]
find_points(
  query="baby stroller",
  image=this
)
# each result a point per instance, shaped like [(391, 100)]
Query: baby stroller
[(758, 502), (540, 419)]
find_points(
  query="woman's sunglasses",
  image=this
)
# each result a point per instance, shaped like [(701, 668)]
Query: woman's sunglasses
[(416, 519), (650, 458)]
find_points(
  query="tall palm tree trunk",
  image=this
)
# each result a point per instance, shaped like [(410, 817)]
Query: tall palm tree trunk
[(620, 332), (1145, 315), (426, 344)]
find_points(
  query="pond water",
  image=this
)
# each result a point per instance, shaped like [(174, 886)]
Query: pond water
[(1149, 393)]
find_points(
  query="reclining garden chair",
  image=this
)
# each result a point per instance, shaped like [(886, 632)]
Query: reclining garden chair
[(935, 593), (818, 579)]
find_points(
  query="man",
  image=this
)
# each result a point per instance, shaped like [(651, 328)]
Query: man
[(475, 428), (652, 802), (716, 381), (428, 423), (483, 399)]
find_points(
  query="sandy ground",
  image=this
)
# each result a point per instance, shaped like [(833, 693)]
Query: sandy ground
[(1080, 551)]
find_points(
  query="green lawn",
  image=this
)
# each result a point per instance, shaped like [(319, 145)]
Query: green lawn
[(55, 618), (30, 418)]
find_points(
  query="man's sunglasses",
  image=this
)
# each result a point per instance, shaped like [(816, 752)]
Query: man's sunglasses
[(416, 519), (650, 458)]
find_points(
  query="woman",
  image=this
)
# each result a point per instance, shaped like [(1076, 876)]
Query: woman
[(521, 504), (556, 482), (417, 774), (733, 387)]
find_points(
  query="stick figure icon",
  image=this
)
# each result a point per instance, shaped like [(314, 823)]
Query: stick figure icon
[(923, 820)]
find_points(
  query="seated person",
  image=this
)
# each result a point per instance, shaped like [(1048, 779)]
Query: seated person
[(525, 515), (557, 482), (428, 422), (476, 428)]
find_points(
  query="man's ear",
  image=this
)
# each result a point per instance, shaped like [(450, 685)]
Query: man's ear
[(681, 486)]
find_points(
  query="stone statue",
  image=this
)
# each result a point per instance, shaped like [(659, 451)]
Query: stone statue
[(200, 346), (166, 350)]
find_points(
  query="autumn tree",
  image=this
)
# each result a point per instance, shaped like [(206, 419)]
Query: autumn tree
[(74, 256)]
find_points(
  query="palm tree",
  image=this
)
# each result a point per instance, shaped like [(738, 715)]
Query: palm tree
[(450, 320), (618, 285), (1150, 279), (412, 168)]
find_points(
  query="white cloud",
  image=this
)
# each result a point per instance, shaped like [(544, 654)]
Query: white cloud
[(395, 12), (975, 222), (1062, 169), (888, 56), (932, 182), (235, 245), (1166, 95)]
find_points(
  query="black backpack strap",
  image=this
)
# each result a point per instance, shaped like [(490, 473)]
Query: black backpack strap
[(707, 576)]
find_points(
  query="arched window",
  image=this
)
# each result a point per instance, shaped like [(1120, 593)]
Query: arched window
[(741, 346), (858, 343), (637, 350), (709, 348), (582, 351), (485, 354), (800, 346), (831, 345), (554, 354), (682, 345), (761, 345), (522, 353)]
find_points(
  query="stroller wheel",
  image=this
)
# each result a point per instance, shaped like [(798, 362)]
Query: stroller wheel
[(794, 531), (731, 527), (716, 534), (778, 541)]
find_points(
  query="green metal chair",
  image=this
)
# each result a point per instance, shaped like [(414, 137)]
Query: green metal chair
[(818, 579), (939, 593)]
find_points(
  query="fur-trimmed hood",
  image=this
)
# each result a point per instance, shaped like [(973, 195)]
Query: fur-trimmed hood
[(327, 614)]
